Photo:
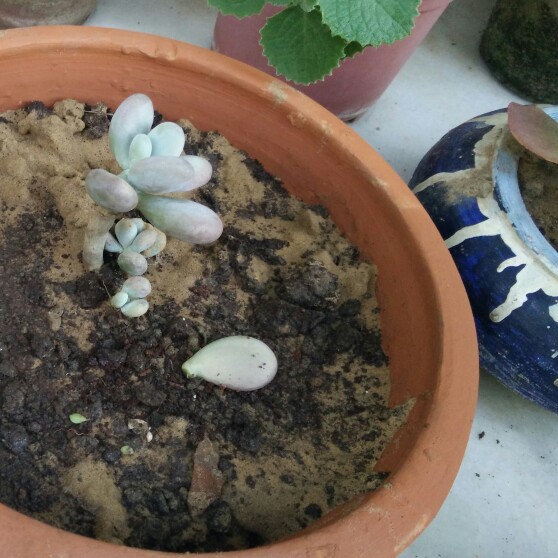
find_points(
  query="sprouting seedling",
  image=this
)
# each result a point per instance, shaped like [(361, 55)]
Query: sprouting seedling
[(135, 241), (131, 297), (535, 130), (77, 418), (238, 362)]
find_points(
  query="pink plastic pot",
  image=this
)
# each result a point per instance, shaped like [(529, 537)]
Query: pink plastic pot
[(352, 87)]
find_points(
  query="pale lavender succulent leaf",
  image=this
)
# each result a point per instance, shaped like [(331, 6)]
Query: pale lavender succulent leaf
[(140, 223), (161, 175), (112, 245), (110, 191), (120, 299), (237, 362), (132, 263), (137, 287), (159, 244), (140, 148), (143, 241), (135, 308), (125, 230), (167, 139), (183, 219), (132, 117), (202, 171)]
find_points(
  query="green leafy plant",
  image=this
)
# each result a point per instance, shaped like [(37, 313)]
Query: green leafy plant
[(309, 38)]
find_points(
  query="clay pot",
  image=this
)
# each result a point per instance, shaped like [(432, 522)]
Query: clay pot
[(509, 269), (520, 46), (352, 87), (25, 13), (428, 329)]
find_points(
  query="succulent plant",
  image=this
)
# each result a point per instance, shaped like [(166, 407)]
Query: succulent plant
[(131, 298), (135, 241), (152, 163)]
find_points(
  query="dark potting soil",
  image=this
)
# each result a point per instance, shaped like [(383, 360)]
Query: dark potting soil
[(165, 462), (538, 180)]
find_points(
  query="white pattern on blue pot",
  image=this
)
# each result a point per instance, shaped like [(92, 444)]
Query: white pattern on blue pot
[(508, 267)]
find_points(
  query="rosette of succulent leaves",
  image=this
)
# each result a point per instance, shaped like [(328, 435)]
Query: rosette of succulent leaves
[(153, 164)]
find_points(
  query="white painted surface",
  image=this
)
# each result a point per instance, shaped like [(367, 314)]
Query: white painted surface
[(504, 503)]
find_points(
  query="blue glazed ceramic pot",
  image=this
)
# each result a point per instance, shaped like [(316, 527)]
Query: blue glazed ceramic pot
[(468, 182)]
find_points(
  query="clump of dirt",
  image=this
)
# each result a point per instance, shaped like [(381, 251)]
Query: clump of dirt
[(538, 180), (163, 462)]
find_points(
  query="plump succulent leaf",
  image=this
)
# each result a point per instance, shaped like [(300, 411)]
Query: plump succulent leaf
[(137, 287), (135, 308), (202, 171), (167, 139), (132, 263), (140, 148), (112, 245), (183, 219), (120, 299), (140, 223), (125, 231), (238, 8), (158, 245), (370, 22), (110, 191), (162, 175), (132, 117), (534, 130), (238, 362), (144, 240), (299, 46)]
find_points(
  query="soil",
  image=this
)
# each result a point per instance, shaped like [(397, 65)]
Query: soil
[(164, 462), (538, 180)]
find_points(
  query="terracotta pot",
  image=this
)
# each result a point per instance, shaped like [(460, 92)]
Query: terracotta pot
[(352, 87), (520, 46), (428, 330), (25, 13), (509, 269)]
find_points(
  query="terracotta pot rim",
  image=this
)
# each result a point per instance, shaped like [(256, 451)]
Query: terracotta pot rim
[(456, 337)]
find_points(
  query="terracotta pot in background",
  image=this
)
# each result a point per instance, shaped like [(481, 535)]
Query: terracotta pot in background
[(427, 326), (27, 13), (352, 87)]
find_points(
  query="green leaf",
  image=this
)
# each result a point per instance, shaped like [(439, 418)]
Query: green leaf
[(353, 48), (307, 5), (299, 46), (238, 8), (76, 418), (281, 2), (370, 22), (534, 130), (126, 450)]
